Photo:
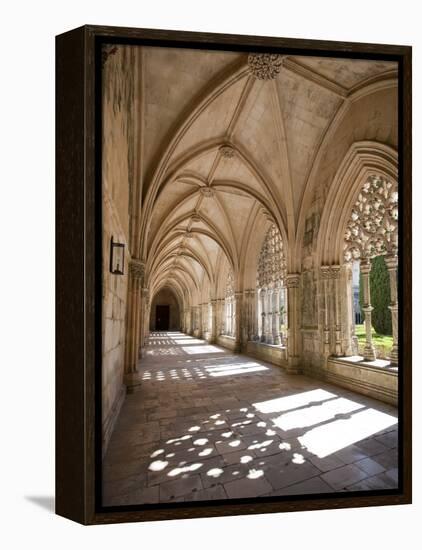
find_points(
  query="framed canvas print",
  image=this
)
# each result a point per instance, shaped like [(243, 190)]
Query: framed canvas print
[(233, 274)]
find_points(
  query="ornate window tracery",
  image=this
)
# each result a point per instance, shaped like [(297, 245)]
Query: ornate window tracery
[(371, 231), (271, 295), (372, 228)]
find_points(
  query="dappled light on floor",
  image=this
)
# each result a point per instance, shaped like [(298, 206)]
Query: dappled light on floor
[(224, 426)]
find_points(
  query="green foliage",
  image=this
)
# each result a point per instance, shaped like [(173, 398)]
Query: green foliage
[(380, 296)]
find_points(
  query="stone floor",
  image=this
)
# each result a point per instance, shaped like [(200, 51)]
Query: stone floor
[(208, 424)]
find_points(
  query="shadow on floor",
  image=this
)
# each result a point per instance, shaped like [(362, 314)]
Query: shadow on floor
[(46, 502)]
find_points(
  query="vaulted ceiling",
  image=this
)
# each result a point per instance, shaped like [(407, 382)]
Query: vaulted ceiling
[(222, 146)]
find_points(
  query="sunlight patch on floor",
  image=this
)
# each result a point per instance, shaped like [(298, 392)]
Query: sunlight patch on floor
[(315, 414), (293, 401), (327, 439)]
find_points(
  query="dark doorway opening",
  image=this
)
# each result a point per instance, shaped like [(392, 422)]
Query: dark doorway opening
[(162, 317)]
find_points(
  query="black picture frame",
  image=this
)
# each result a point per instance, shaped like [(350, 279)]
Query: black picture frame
[(78, 273)]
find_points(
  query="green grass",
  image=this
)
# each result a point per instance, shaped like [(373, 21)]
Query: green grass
[(377, 339)]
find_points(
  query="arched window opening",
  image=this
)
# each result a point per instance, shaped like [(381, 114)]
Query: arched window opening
[(229, 306), (371, 232), (271, 294)]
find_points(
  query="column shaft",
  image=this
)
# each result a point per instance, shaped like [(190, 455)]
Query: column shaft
[(369, 350)]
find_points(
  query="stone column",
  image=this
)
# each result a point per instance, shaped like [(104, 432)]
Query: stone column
[(200, 320), (251, 322), (348, 321), (369, 350), (136, 275), (283, 319), (144, 330), (335, 275), (276, 317), (238, 321), (263, 314), (325, 277), (292, 283), (269, 312), (391, 262), (214, 329)]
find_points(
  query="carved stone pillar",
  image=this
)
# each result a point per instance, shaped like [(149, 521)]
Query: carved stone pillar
[(292, 283), (133, 329), (263, 314), (214, 329), (144, 332), (283, 316), (252, 314), (348, 320), (369, 350), (199, 320), (269, 312), (335, 275), (276, 317), (238, 299), (391, 262), (325, 277)]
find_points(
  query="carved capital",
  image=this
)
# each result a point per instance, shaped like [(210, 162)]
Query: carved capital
[(264, 66), (365, 267), (391, 262), (325, 272), (137, 268), (335, 271), (292, 280)]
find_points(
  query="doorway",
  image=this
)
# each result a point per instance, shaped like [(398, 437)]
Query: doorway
[(162, 317)]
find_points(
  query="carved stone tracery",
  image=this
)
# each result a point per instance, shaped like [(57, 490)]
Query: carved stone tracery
[(372, 227), (271, 262)]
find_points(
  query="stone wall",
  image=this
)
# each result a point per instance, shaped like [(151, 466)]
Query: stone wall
[(117, 173), (275, 355)]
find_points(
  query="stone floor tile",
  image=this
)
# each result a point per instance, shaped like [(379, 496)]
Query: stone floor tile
[(247, 488), (370, 466), (179, 487), (288, 474), (389, 439), (341, 478), (233, 444), (350, 454), (307, 487), (221, 474), (371, 446), (388, 459), (186, 418), (330, 462), (212, 493)]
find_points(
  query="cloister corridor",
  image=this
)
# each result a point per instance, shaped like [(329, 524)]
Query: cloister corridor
[(250, 215), (207, 424)]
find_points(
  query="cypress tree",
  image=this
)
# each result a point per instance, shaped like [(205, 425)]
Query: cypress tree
[(380, 297)]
